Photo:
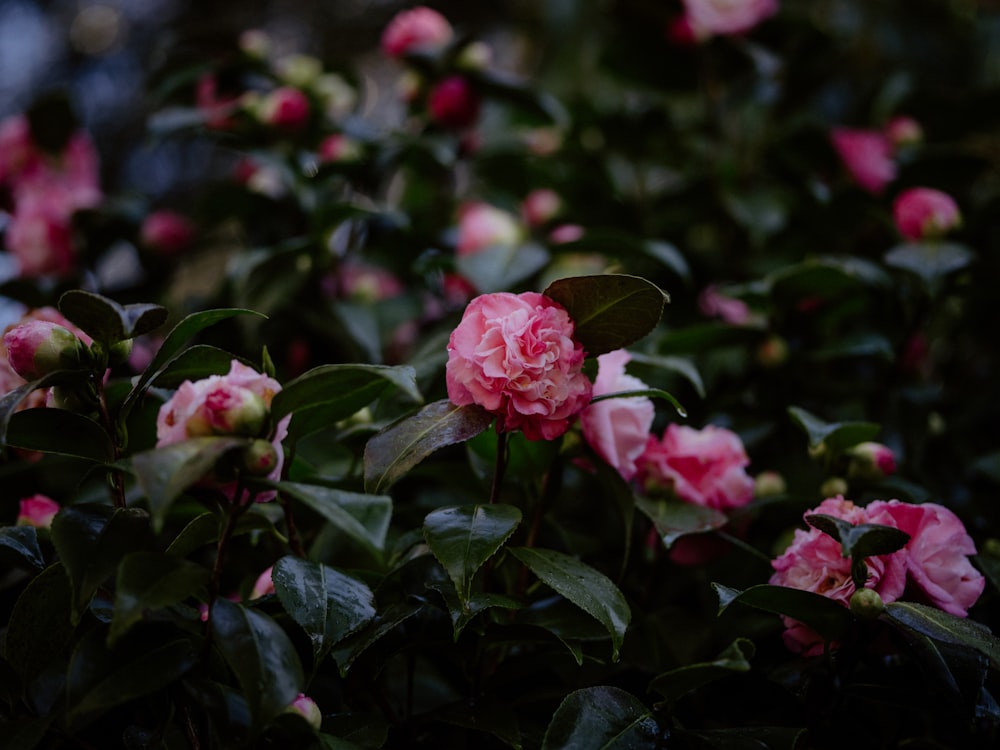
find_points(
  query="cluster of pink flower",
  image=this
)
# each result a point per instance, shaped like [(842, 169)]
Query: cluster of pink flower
[(45, 190), (932, 568), (704, 19)]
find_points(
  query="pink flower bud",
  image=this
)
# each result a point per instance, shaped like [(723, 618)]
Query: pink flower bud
[(868, 157), (260, 458), (255, 43), (264, 584), (285, 108), (725, 17), (453, 103), (679, 31), (713, 303), (339, 148), (37, 347), (872, 460), (415, 29), (481, 225), (228, 409), (167, 232), (37, 511), (904, 131), (921, 213), (565, 233), (540, 206), (306, 707), (866, 604)]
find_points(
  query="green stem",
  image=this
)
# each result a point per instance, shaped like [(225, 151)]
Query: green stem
[(114, 476)]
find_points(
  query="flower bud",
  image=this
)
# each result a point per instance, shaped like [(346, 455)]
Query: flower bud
[(871, 461), (866, 604), (260, 458), (475, 56), (306, 707), (37, 511), (340, 148), (453, 103), (37, 347), (285, 108), (119, 352), (264, 585), (229, 410), (904, 131), (922, 213), (833, 486), (769, 483), (166, 232), (255, 44), (299, 70), (540, 206), (415, 29)]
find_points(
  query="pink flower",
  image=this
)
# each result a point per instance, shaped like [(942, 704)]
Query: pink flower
[(17, 149), (937, 556), (515, 355), (414, 29), (366, 283), (41, 239), (217, 110), (872, 460), (167, 232), (306, 707), (481, 225), (236, 403), (37, 511), (617, 428), (705, 467), (904, 131), (540, 206), (36, 348), (453, 103), (339, 148), (867, 156), (9, 379), (285, 108), (921, 213), (713, 303), (264, 585), (564, 233), (722, 17)]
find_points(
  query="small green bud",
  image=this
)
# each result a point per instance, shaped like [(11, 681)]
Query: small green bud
[(833, 486), (260, 458), (866, 604)]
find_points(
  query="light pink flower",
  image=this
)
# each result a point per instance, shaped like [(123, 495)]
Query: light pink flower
[(722, 17), (515, 355), (481, 225), (705, 467), (232, 404), (40, 238), (867, 155), (167, 232), (872, 460), (9, 379), (264, 584), (617, 428), (564, 233), (37, 511), (937, 556), (366, 283), (454, 103), (306, 707), (36, 348), (338, 147), (540, 206), (414, 29), (285, 108), (714, 304), (924, 212)]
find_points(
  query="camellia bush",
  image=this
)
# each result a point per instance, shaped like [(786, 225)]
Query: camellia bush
[(637, 390)]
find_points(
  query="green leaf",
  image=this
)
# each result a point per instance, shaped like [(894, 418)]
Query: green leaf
[(351, 648), (395, 450), (610, 311), (91, 541), (105, 320), (462, 538), (945, 627), (860, 345), (837, 436), (39, 627), (149, 581), (462, 612), (164, 473), (194, 363), (61, 432), (23, 734), (329, 393), (675, 518), (683, 366), (363, 517), (828, 618), (489, 715), (23, 541), (602, 718), (261, 656), (861, 540), (10, 401), (199, 531), (500, 267), (327, 604), (565, 621), (678, 682), (644, 393), (931, 261), (590, 590)]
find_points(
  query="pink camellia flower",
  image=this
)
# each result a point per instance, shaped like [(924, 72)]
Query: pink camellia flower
[(9, 379), (540, 206), (705, 467), (264, 584), (339, 148), (415, 29), (167, 232), (714, 304), (37, 511), (481, 225), (236, 403), (453, 103), (41, 239), (564, 233), (724, 17), (867, 155), (921, 213), (515, 355), (937, 556), (617, 428), (306, 707), (36, 348), (365, 283), (680, 33), (872, 460), (285, 108)]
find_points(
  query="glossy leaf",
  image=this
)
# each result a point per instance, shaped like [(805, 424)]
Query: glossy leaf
[(501, 267), (194, 363), (827, 617), (602, 718), (683, 366), (463, 538), (23, 541), (681, 681), (945, 627), (61, 432), (150, 581), (201, 530), (261, 656), (589, 589), (644, 393), (675, 518), (393, 451), (327, 604), (565, 621), (861, 540), (39, 627), (363, 517), (610, 311), (835, 435), (10, 401), (931, 261), (350, 649), (462, 612), (490, 715), (105, 320)]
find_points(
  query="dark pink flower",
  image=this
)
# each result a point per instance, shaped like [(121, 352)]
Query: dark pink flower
[(872, 460), (285, 108), (724, 17), (37, 511), (167, 232), (453, 103), (921, 213), (36, 348), (867, 155), (415, 29)]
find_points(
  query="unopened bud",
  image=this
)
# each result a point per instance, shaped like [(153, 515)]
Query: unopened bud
[(306, 707), (866, 604), (38, 347), (768, 484), (229, 410), (260, 458), (833, 486), (119, 352), (872, 461), (299, 70), (475, 56)]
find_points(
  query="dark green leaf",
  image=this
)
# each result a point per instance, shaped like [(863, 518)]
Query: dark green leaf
[(677, 682), (827, 617), (860, 345), (602, 718), (675, 518), (10, 401), (945, 627), (59, 431), (931, 261), (862, 540), (194, 363), (39, 627), (164, 473), (491, 716), (23, 734), (750, 738), (464, 612), (346, 653), (261, 656), (681, 365), (200, 530), (463, 538), (23, 541), (501, 267), (565, 621), (589, 589), (363, 517), (837, 436), (148, 581), (395, 450), (327, 604), (645, 393), (107, 321)]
